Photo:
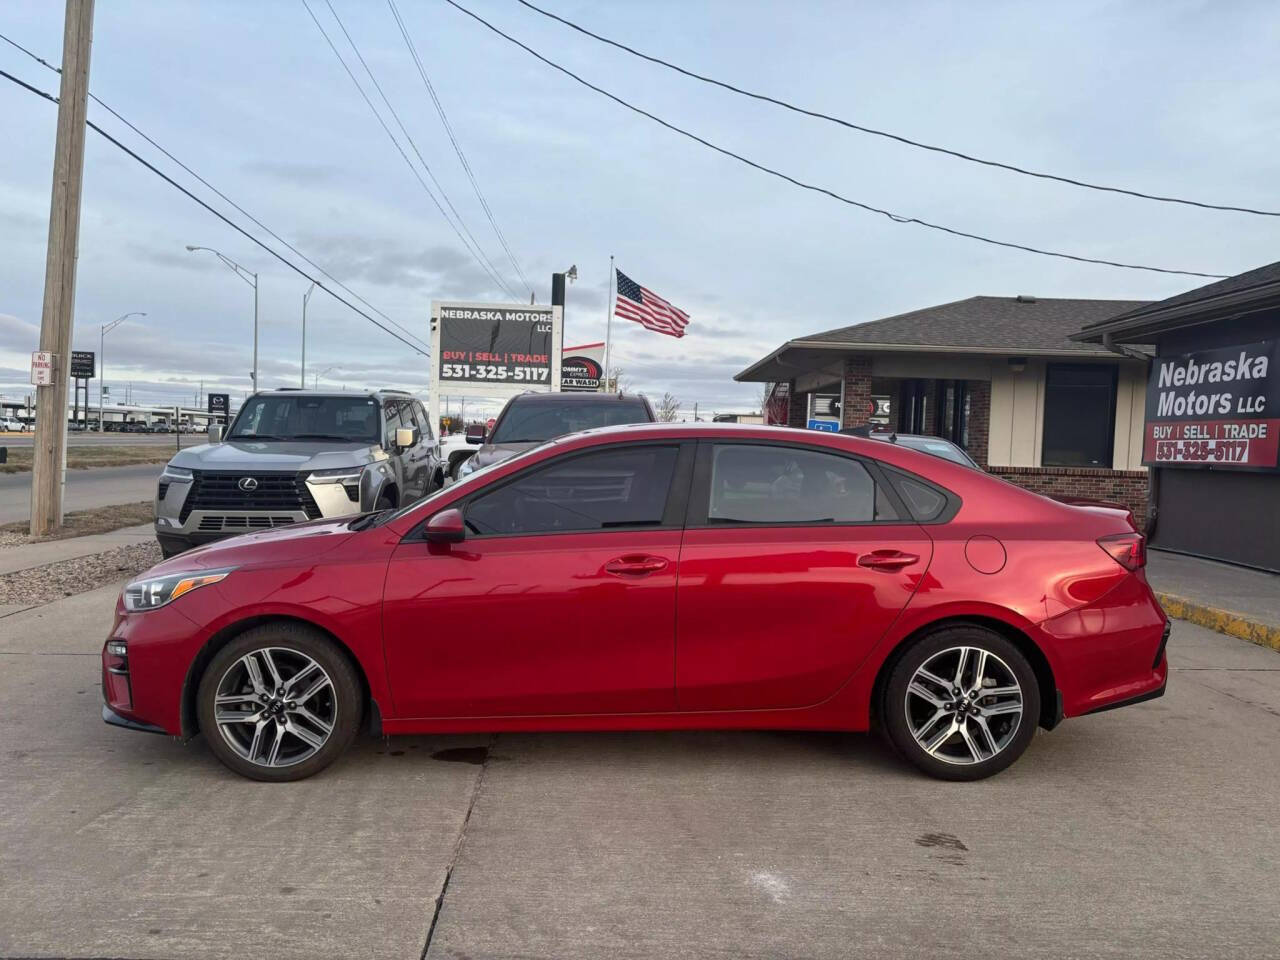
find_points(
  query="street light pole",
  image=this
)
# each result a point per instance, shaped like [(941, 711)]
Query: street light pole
[(102, 358), (250, 278), (319, 375), (305, 297)]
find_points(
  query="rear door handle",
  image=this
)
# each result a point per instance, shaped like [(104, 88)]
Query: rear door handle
[(888, 560), (635, 565)]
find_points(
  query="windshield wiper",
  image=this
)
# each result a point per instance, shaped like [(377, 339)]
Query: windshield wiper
[(255, 436)]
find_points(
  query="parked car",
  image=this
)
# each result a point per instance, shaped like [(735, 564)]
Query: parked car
[(653, 576), (12, 425), (453, 450), (295, 455), (532, 418)]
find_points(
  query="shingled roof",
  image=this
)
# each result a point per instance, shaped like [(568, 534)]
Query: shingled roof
[(1031, 324), (1253, 286)]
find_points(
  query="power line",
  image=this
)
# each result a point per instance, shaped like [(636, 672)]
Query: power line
[(217, 213), (457, 147), (896, 218), (262, 226), (475, 250), (1012, 168), (412, 143)]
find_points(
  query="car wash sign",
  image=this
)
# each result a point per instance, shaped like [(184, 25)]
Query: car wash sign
[(582, 368), (1214, 408), (494, 344)]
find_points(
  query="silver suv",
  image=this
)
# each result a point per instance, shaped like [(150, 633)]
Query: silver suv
[(296, 455)]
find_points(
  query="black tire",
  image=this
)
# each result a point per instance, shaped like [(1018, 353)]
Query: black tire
[(898, 714), (286, 640), (167, 551), (386, 501)]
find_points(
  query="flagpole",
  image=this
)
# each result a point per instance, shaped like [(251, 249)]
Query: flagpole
[(608, 324)]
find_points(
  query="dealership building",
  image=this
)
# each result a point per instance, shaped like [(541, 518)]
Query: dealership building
[(1000, 376), (1212, 434)]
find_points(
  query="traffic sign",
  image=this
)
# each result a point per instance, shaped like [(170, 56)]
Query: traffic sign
[(42, 368), (829, 426)]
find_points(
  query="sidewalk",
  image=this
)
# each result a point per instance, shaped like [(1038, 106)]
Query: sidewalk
[(1233, 600), (13, 559)]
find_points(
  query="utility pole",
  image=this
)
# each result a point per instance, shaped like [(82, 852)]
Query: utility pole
[(49, 456)]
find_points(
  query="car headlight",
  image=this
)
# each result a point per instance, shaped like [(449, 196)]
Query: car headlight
[(338, 475), (176, 474), (154, 592)]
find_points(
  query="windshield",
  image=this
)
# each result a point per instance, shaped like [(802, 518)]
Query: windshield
[(284, 417), (533, 422), (938, 447)]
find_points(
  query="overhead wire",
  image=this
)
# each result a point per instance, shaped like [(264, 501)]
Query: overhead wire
[(219, 214), (457, 147), (460, 226), (895, 217), (919, 144), (262, 226)]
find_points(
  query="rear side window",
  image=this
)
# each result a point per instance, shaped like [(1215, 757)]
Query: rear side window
[(596, 491), (773, 484)]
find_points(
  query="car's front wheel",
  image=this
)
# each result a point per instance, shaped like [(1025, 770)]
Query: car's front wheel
[(279, 702), (962, 703)]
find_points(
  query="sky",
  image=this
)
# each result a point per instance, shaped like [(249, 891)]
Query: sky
[(1165, 97)]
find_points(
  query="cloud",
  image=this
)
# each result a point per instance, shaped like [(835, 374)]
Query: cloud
[(294, 172)]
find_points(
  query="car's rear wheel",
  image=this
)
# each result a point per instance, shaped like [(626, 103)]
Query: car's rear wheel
[(962, 703), (279, 702)]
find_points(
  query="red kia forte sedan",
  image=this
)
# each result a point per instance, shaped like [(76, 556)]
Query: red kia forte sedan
[(654, 577)]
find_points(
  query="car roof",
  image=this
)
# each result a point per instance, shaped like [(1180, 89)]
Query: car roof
[(578, 397)]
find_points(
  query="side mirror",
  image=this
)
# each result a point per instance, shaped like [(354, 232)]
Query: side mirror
[(446, 527), (405, 437), (475, 434), (215, 433)]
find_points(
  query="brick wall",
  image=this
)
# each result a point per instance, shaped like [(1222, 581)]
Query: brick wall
[(797, 408), (979, 426), (1123, 486), (856, 407)]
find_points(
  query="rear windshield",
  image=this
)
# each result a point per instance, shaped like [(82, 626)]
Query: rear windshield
[(352, 418), (535, 422), (939, 448)]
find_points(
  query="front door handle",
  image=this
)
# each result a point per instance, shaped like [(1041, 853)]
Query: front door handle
[(888, 560), (635, 565)]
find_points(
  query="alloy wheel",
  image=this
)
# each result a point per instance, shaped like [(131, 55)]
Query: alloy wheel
[(963, 705), (275, 706)]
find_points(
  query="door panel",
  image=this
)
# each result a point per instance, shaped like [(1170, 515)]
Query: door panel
[(501, 626), (782, 616)]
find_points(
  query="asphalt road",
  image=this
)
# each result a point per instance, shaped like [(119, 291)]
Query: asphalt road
[(1148, 832), (86, 489)]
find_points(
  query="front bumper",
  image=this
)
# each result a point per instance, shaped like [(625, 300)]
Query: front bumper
[(118, 720)]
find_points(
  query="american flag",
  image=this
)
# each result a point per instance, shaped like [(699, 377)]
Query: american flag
[(648, 309)]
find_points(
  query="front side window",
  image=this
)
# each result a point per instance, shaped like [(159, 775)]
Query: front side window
[(768, 484), (596, 491), (300, 417), (533, 421), (1079, 415)]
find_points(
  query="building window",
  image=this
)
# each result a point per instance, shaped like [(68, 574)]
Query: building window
[(1079, 415)]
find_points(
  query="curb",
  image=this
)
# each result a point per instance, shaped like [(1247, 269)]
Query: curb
[(1223, 621)]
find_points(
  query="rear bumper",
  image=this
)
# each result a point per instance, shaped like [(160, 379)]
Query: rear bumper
[(1111, 652)]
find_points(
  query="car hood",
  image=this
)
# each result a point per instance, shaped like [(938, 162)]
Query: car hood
[(281, 545), (492, 453), (263, 455)]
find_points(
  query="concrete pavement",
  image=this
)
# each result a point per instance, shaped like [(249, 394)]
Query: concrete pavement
[(52, 551), (1143, 832), (1233, 600), (86, 489)]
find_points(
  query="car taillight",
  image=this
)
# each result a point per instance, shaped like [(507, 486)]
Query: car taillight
[(1127, 549)]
